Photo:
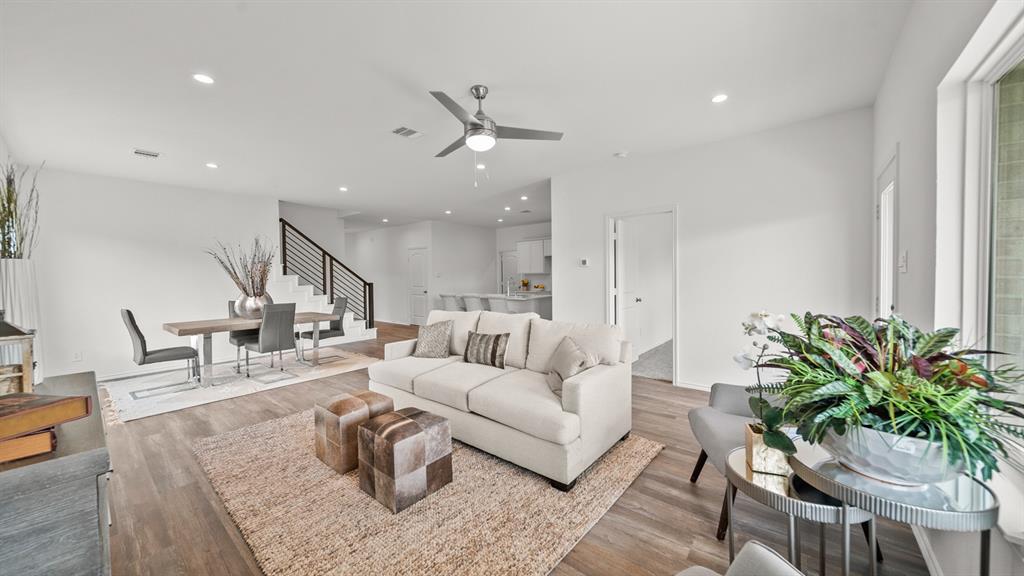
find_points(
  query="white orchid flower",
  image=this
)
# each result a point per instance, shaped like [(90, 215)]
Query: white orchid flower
[(761, 322), (747, 358)]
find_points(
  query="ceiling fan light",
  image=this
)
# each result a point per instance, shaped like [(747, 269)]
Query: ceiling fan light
[(480, 139)]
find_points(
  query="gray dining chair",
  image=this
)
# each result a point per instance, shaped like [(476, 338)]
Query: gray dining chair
[(239, 338), (143, 355), (277, 334), (334, 329), (754, 559)]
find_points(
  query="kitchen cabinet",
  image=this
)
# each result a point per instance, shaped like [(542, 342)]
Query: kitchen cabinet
[(531, 256)]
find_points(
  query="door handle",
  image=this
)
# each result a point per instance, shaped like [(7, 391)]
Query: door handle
[(638, 300), (424, 291)]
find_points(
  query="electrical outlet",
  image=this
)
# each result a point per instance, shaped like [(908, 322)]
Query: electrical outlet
[(902, 262), (77, 357)]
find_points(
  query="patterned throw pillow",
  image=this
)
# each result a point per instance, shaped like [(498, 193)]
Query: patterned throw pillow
[(567, 361), (488, 349), (433, 340)]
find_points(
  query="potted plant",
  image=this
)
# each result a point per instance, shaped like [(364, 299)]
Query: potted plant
[(893, 402), (19, 225), (768, 445), (250, 271)]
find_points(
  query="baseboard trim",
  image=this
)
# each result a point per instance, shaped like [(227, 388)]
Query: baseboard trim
[(927, 552), (693, 386)]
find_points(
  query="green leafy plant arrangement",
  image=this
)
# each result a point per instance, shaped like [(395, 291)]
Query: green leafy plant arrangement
[(19, 212), (889, 376)]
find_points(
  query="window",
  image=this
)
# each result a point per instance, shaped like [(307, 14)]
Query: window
[(1006, 268)]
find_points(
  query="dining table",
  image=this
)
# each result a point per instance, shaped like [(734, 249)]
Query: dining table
[(202, 331)]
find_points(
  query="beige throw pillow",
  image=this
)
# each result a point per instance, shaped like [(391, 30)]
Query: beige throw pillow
[(433, 339), (567, 361)]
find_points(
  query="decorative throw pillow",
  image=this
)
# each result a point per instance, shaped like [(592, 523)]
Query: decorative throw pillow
[(567, 361), (488, 349), (433, 339)]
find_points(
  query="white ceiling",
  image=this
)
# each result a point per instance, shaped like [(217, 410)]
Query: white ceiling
[(307, 94)]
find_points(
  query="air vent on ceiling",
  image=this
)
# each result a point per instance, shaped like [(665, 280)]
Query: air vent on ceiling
[(407, 132), (145, 153), (527, 211)]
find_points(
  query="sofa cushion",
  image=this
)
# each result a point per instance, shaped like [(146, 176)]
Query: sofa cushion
[(517, 326), (434, 340), (450, 385), (465, 322), (568, 361), (486, 349), (601, 340), (400, 373), (522, 400)]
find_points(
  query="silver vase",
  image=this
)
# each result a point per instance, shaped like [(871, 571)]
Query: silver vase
[(252, 306), (891, 458)]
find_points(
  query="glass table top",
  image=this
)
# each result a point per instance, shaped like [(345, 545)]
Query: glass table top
[(963, 504)]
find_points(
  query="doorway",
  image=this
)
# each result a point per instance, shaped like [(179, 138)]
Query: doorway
[(509, 269), (888, 263), (642, 289), (419, 296)]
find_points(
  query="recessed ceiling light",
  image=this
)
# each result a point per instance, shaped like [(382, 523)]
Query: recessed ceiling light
[(342, 188), (621, 154), (719, 98), (202, 78), (211, 165), (501, 219), (384, 220), (481, 166), (524, 197), (507, 208), (447, 211)]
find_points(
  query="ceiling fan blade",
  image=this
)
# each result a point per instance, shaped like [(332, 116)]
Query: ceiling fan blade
[(458, 111), (452, 147), (508, 132)]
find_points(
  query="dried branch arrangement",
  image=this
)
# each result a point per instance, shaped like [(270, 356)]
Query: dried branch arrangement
[(249, 269), (19, 212)]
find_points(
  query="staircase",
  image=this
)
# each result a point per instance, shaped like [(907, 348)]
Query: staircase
[(312, 278)]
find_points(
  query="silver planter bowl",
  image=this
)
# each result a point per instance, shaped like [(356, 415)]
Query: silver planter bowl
[(252, 306), (891, 458)]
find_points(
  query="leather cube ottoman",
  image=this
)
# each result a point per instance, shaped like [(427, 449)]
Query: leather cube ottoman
[(337, 426), (404, 456)]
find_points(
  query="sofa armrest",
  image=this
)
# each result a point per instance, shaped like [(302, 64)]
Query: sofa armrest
[(626, 352), (731, 399), (401, 349), (602, 397)]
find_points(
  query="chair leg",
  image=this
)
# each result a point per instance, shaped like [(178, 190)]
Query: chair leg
[(280, 359), (300, 350), (271, 359), (238, 359), (723, 520), (699, 466), (867, 536), (246, 362)]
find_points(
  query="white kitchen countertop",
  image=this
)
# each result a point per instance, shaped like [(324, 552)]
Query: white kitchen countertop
[(523, 296)]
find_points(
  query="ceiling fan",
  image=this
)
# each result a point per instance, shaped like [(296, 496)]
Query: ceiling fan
[(480, 131)]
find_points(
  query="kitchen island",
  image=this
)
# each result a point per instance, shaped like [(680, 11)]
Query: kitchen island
[(520, 302)]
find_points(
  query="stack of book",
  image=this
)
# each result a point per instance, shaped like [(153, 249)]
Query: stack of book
[(27, 422)]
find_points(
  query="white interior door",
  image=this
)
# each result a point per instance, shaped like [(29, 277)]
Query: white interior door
[(886, 258), (418, 292), (631, 288), (509, 268)]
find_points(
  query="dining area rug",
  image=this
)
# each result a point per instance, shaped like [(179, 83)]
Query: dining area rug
[(300, 517), (137, 397)]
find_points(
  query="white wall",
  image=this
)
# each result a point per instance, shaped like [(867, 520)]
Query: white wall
[(932, 37), (775, 220), (108, 243), (322, 225), (461, 260), (381, 257), (506, 241)]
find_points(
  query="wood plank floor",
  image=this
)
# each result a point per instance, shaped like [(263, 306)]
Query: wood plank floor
[(168, 520)]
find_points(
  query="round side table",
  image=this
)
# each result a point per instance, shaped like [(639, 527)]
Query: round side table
[(960, 505), (796, 499)]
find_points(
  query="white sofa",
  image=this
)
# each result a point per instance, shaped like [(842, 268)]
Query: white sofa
[(512, 413)]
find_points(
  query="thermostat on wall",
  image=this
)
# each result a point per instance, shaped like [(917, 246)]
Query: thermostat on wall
[(584, 262)]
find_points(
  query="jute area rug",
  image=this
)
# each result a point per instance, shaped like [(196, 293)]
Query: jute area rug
[(300, 517)]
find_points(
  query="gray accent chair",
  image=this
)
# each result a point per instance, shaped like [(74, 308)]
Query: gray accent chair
[(277, 334), (754, 559), (143, 355), (334, 329), (719, 429), (239, 338)]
